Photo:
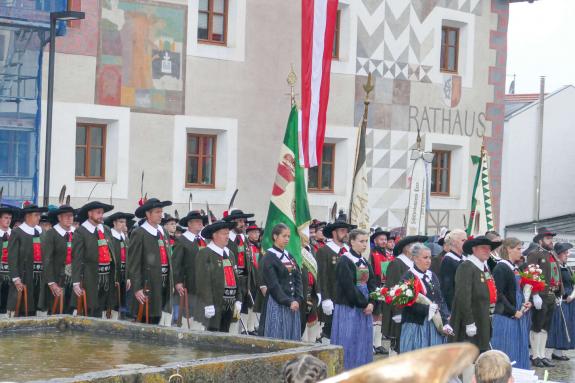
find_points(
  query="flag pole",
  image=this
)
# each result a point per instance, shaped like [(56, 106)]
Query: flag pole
[(368, 88)]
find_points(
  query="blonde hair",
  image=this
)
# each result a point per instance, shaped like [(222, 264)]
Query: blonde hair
[(508, 243), (493, 367), (454, 234)]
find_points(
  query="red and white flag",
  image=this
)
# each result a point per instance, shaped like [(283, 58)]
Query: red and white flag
[(317, 34)]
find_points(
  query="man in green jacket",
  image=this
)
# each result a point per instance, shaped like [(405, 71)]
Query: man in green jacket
[(150, 265)]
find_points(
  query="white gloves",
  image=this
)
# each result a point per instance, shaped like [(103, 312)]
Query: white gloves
[(237, 308), (396, 318), (471, 330), (209, 311), (448, 330), (327, 307), (433, 308), (537, 302), (318, 299)]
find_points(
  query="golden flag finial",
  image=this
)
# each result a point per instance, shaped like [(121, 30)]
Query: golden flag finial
[(292, 80)]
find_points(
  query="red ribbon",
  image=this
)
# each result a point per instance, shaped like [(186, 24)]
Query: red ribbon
[(163, 253), (229, 276), (310, 279), (123, 253), (69, 249), (4, 253), (492, 291), (241, 254), (37, 251)]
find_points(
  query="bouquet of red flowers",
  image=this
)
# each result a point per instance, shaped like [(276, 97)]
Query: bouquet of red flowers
[(401, 295), (532, 282)]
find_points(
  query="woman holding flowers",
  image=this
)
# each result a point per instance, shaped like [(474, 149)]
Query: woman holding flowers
[(424, 315), (511, 320), (562, 334), (352, 325)]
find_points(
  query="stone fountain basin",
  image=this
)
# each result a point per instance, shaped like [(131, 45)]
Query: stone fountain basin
[(248, 359)]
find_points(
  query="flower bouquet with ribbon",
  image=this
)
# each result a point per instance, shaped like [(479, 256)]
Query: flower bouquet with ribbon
[(532, 282)]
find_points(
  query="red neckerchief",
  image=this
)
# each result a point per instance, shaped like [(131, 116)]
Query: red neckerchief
[(103, 251), (69, 248), (201, 242), (318, 245)]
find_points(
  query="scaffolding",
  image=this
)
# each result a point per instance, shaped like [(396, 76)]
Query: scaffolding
[(24, 32)]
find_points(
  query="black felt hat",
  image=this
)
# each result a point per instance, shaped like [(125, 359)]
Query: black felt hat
[(209, 230), (479, 241), (399, 246), (194, 214), (28, 208), (340, 223), (92, 205), (150, 204), (5, 208), (168, 218), (254, 226), (109, 220), (315, 223), (561, 247), (377, 232), (236, 214), (542, 233)]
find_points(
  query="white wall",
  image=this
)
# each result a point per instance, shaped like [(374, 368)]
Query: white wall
[(519, 156)]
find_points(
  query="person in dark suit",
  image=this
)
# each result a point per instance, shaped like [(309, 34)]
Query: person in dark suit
[(7, 213), (95, 266), (475, 294)]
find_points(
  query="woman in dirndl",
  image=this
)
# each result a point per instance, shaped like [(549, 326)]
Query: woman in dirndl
[(282, 278), (512, 320), (562, 327), (352, 325), (419, 329)]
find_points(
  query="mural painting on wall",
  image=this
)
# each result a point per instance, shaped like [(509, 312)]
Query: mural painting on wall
[(141, 56)]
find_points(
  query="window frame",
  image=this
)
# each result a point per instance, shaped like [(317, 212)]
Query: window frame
[(444, 54), (87, 147), (201, 157), (320, 172), (337, 37), (210, 13), (437, 171)]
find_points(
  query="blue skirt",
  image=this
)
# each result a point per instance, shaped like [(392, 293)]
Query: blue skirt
[(560, 329), (511, 336), (415, 336), (353, 330), (281, 321)]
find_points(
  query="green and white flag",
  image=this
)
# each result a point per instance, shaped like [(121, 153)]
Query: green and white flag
[(481, 216), (288, 203)]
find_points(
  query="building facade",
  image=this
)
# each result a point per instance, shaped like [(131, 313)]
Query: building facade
[(193, 95)]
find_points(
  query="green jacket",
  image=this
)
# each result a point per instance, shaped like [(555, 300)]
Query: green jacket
[(54, 249), (21, 265), (210, 285), (145, 270), (395, 271), (85, 257), (471, 305)]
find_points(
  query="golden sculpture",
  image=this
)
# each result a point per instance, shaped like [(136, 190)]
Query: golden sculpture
[(435, 364)]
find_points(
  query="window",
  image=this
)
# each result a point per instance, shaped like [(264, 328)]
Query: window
[(201, 160), (336, 38), (90, 151), (440, 170), (449, 49), (320, 178), (16, 152), (74, 5), (212, 21)]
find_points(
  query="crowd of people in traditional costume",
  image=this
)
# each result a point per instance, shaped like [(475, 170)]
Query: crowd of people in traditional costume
[(211, 274)]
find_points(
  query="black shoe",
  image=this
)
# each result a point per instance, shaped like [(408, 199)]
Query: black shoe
[(253, 333), (318, 340), (547, 362), (381, 350), (536, 362), (562, 357)]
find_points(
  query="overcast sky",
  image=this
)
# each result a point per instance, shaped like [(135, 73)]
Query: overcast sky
[(541, 42)]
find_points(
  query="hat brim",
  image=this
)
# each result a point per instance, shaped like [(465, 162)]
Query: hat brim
[(83, 211), (184, 221), (25, 211), (141, 210), (330, 227), (539, 237), (109, 221), (378, 233), (471, 243), (231, 217), (208, 231), (399, 246)]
